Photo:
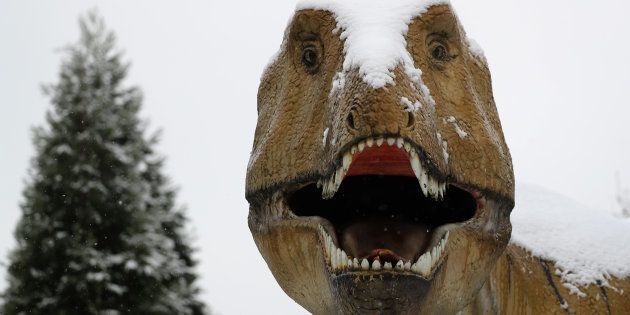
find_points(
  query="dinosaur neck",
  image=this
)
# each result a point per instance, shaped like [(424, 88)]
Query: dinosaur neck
[(524, 284)]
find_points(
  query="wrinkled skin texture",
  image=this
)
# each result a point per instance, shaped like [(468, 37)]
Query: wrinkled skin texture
[(296, 106)]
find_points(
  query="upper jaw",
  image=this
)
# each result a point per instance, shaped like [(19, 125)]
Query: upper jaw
[(432, 181)]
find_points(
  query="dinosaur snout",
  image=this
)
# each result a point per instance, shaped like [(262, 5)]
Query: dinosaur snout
[(379, 113)]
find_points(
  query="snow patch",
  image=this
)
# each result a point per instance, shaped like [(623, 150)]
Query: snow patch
[(119, 290), (325, 137), (409, 106), (339, 81), (97, 276), (460, 132), (475, 49), (444, 147), (63, 149), (374, 32), (573, 289), (586, 245)]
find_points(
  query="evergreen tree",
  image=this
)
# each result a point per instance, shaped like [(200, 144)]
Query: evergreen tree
[(100, 231)]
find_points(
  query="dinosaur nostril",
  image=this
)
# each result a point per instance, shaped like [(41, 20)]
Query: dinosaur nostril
[(410, 120), (351, 120)]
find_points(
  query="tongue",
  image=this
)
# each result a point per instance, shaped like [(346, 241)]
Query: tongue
[(384, 236)]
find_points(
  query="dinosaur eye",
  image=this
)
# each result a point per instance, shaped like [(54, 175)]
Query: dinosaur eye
[(439, 52), (310, 58)]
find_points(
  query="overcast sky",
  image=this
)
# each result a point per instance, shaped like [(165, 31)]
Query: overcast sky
[(560, 70)]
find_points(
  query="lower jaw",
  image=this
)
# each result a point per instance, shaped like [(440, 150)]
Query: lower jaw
[(386, 292), (384, 261), (358, 223)]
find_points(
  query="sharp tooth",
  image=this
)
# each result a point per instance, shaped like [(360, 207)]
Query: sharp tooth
[(387, 266), (434, 255), (407, 265), (424, 182), (339, 258), (365, 265), (369, 142), (349, 264), (331, 185), (333, 260), (407, 147), (433, 188), (343, 259), (417, 264), (400, 142), (353, 150), (391, 141), (376, 265), (436, 189), (424, 263), (328, 191), (400, 265), (355, 263), (340, 174), (328, 246), (319, 183), (447, 234), (414, 268), (347, 160), (361, 146), (379, 141), (415, 164)]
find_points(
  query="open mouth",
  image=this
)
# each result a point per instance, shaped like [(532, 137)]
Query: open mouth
[(387, 211)]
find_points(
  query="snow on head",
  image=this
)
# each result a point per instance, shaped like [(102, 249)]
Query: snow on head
[(374, 32), (587, 245), (475, 49)]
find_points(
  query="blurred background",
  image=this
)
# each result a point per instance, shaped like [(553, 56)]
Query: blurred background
[(560, 76)]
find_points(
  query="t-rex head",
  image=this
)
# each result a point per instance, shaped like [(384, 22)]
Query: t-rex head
[(379, 178)]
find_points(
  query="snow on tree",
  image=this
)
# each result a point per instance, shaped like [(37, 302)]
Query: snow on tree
[(100, 231)]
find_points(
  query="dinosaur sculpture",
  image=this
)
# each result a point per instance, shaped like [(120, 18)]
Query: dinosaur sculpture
[(380, 181)]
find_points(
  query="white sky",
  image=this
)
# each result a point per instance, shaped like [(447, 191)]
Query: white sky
[(561, 75)]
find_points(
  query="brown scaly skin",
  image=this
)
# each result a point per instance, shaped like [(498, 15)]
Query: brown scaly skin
[(477, 275)]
